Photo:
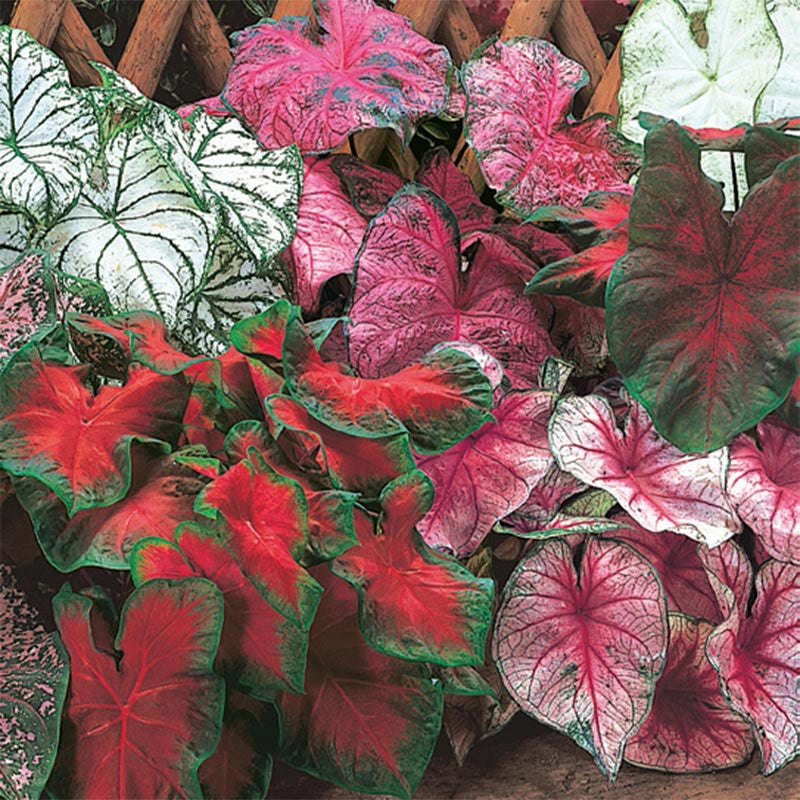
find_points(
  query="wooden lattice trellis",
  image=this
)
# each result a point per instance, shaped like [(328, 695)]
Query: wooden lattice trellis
[(58, 24)]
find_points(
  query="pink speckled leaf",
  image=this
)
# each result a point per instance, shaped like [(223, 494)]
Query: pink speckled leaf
[(329, 232), (546, 497), (691, 727), (369, 69), (582, 651), (34, 673), (758, 659), (489, 474), (518, 98), (411, 293), (660, 487), (764, 487)]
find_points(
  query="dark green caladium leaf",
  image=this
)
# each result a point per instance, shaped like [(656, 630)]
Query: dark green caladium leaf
[(764, 150), (701, 313)]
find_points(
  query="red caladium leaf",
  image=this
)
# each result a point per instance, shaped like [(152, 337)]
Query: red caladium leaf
[(259, 649), (582, 652), (141, 723), (437, 400), (78, 444), (658, 485), (680, 568), (764, 150), (411, 293), (370, 188), (329, 232), (161, 496), (488, 475), (757, 656), (262, 335), (399, 580), (691, 727), (267, 533), (764, 487), (34, 674), (366, 721), (354, 463), (519, 95), (708, 369), (604, 218), (292, 83), (209, 105)]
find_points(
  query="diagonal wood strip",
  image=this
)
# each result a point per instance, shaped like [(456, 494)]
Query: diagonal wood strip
[(76, 46), (40, 18), (574, 34), (207, 45)]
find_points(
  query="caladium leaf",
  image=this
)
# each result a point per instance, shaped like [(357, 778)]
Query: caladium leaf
[(329, 232), (685, 255), (691, 727), (258, 649), (411, 293), (764, 487), (16, 232), (488, 475), (519, 125), (582, 651), (291, 83), (545, 498), (366, 721), (41, 403), (355, 463), (267, 532), (370, 187), (49, 133), (583, 276), (658, 485), (757, 658), (442, 398), (572, 528), (160, 497), (781, 97), (34, 673), (262, 334), (159, 703), (764, 150), (399, 580), (330, 524)]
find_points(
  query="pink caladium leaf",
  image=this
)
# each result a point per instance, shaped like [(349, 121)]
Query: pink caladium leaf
[(582, 651), (658, 485), (691, 727), (488, 475), (438, 400), (400, 580), (34, 673), (764, 487), (545, 498), (603, 219), (259, 649), (292, 83), (54, 429), (329, 232), (367, 721), (519, 95), (370, 188), (411, 293), (208, 105), (757, 656), (725, 354)]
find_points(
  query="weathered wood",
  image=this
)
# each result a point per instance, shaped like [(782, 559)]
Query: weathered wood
[(458, 32), (604, 99), (40, 18), (530, 18), (573, 33), (404, 162), (76, 46), (292, 8), (207, 45), (150, 43)]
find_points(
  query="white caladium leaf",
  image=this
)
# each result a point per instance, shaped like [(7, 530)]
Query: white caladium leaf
[(662, 488), (136, 229), (781, 98), (15, 233), (48, 133)]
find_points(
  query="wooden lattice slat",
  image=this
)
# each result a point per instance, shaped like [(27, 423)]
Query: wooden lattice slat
[(40, 18)]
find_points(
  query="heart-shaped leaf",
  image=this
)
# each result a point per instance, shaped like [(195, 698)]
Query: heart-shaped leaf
[(367, 721), (706, 370), (488, 475), (78, 444), (764, 487), (582, 651), (34, 673), (691, 727), (157, 699), (519, 125), (399, 580), (292, 82), (258, 648), (412, 292), (662, 488)]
